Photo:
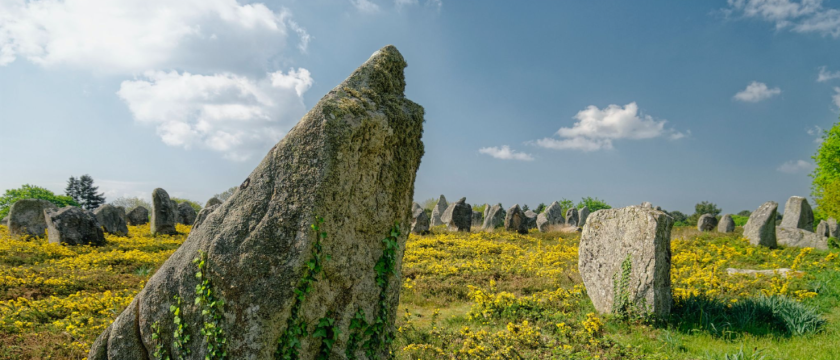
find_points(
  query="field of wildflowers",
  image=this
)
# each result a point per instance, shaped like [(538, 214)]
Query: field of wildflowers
[(472, 296)]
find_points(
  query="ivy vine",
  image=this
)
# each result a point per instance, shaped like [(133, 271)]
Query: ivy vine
[(212, 308)]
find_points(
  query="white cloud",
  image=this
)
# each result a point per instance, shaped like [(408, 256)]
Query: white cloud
[(228, 113), (827, 75), (130, 36), (365, 6), (803, 16), (817, 133), (506, 153), (757, 91), (793, 167), (836, 96), (596, 129)]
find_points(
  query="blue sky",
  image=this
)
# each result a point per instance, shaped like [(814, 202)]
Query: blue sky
[(672, 102)]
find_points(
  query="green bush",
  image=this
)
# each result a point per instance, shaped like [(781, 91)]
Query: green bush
[(740, 220), (32, 192), (594, 204), (195, 205)]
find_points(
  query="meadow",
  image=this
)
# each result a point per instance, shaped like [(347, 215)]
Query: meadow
[(472, 296)]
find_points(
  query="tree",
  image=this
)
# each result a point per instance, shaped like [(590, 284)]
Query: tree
[(224, 195), (679, 217), (825, 188), (566, 204), (745, 213), (479, 208), (193, 204), (706, 207), (131, 203), (32, 192), (84, 193), (525, 208), (540, 208), (594, 204)]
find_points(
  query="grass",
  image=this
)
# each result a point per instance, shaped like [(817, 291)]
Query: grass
[(472, 296)]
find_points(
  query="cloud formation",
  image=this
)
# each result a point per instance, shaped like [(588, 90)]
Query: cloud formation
[(805, 16), (826, 75), (506, 153), (756, 91), (596, 129), (232, 114), (836, 97), (793, 167), (365, 6)]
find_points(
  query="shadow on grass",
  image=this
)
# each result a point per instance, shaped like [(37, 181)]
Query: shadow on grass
[(773, 315)]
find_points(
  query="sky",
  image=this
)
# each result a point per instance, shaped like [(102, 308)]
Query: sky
[(671, 102)]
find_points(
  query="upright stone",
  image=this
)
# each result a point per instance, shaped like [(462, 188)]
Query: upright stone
[(833, 229), (486, 211), (647, 204), (572, 217), (726, 224), (420, 221), (553, 215), (798, 214), (460, 216), (582, 215), (446, 217), (476, 219), (800, 238), (706, 222), (438, 211), (760, 229), (138, 216), (822, 229), (213, 201), (495, 218), (352, 161), (634, 239), (164, 215), (186, 214), (26, 217), (515, 220), (112, 219), (531, 216), (73, 226)]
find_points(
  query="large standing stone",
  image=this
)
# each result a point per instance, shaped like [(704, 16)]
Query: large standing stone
[(459, 216), (515, 220), (446, 217), (572, 217), (726, 224), (477, 221), (73, 226), (351, 160), (800, 238), (164, 215), (213, 201), (186, 214), (26, 217), (486, 211), (553, 215), (798, 214), (495, 218), (761, 226), (636, 236), (138, 216), (420, 221), (706, 222), (112, 219), (531, 217), (438, 211), (583, 213)]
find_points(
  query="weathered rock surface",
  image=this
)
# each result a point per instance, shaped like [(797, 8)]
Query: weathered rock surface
[(800, 238), (760, 229), (73, 226), (531, 216), (486, 211), (647, 204), (798, 214), (833, 229), (213, 201), (111, 219), (438, 211), (446, 217), (477, 221), (583, 213), (459, 216), (822, 229), (640, 236), (515, 220), (186, 214), (137, 216), (420, 221), (351, 160), (26, 217), (706, 222), (203, 214), (495, 218), (726, 224), (572, 217), (164, 215)]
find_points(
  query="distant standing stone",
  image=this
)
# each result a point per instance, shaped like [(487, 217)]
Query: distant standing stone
[(213, 201), (420, 221), (833, 229), (822, 229), (583, 213), (638, 239), (760, 229), (800, 238), (531, 216), (726, 224), (138, 216), (553, 215), (647, 204), (112, 219), (486, 211), (203, 215), (73, 226), (798, 214), (438, 211), (706, 222), (26, 217), (515, 220), (460, 216), (572, 218), (186, 214), (495, 218), (476, 219), (164, 215)]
